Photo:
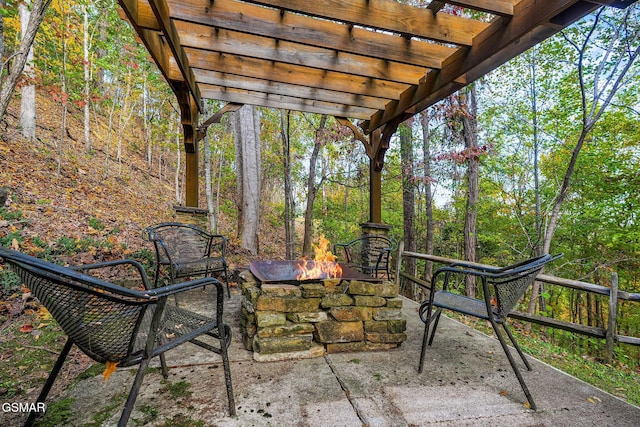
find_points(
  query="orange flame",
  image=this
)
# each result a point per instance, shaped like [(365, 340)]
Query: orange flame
[(323, 266)]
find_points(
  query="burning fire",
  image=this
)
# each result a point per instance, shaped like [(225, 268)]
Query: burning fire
[(323, 266)]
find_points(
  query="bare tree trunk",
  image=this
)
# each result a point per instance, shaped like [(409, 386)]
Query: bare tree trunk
[(28, 100), (426, 159), (312, 189), (87, 80), (405, 133), (289, 215), (470, 126), (213, 227), (20, 57), (538, 287), (247, 137), (179, 157), (2, 5)]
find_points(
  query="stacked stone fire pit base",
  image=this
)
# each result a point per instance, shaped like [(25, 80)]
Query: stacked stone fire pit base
[(283, 321)]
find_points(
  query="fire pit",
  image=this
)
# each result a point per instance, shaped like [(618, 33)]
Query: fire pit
[(297, 272), (288, 314)]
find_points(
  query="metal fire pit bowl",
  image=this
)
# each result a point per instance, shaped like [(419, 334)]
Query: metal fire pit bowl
[(276, 271)]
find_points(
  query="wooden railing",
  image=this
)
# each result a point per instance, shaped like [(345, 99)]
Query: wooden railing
[(614, 294)]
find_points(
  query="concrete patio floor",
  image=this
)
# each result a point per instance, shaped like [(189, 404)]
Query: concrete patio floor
[(467, 382)]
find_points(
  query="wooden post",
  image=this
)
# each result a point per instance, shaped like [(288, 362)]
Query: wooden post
[(189, 119), (613, 313), (375, 194)]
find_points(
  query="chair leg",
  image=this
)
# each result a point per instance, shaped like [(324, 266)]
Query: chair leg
[(227, 371), (226, 279), (507, 352), (423, 350), (517, 347), (133, 394), (435, 325), (163, 364), (52, 377)]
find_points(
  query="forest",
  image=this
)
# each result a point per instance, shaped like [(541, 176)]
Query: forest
[(539, 156)]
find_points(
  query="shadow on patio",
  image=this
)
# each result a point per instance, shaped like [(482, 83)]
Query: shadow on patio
[(467, 382)]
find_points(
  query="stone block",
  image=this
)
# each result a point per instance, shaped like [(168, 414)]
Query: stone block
[(313, 290), (282, 344), (376, 326), (335, 332), (311, 317), (351, 313), (281, 290), (397, 326), (347, 347), (370, 301), (394, 302), (316, 350), (287, 304), (266, 318), (250, 293), (385, 338), (387, 289), (247, 317), (336, 300), (377, 346), (384, 313), (247, 342), (289, 329), (357, 287), (248, 277)]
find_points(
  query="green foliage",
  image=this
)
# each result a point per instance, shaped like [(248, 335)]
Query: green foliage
[(9, 215), (58, 413)]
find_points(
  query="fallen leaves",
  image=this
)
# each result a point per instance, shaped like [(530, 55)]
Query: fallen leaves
[(109, 369), (27, 328)]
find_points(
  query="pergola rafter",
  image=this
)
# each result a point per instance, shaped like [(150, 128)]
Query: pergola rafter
[(376, 61)]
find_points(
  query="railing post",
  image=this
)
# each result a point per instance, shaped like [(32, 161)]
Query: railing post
[(613, 312)]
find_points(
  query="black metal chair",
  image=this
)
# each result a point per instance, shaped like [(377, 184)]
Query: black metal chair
[(187, 251), (370, 255), (502, 289), (111, 323)]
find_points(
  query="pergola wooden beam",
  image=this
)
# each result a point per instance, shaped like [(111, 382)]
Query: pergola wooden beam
[(220, 40), (378, 61), (388, 15), (253, 19)]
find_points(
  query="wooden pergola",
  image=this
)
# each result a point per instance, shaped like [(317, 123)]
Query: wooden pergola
[(377, 62)]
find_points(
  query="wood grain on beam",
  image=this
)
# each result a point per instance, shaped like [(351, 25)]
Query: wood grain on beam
[(298, 90), (284, 102), (258, 20), (294, 74), (388, 15), (170, 33), (220, 40)]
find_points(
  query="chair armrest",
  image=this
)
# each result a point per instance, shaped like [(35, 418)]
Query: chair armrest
[(143, 275), (169, 290)]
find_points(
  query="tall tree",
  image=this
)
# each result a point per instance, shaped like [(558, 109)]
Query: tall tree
[(20, 57), (28, 90), (617, 51), (289, 207), (86, 68), (312, 187), (405, 133), (426, 160), (469, 119), (246, 130)]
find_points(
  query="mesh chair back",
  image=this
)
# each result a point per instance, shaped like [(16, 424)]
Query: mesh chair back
[(102, 319), (511, 284), (181, 243)]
